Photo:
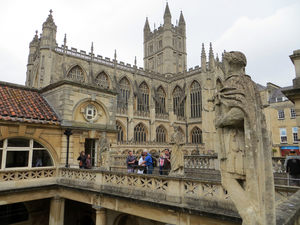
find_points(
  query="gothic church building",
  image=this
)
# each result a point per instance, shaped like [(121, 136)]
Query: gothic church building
[(137, 107)]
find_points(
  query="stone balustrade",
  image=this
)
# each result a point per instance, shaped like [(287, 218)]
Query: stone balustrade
[(206, 162)]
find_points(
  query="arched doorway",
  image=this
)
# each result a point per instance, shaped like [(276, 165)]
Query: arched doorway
[(87, 220), (125, 220)]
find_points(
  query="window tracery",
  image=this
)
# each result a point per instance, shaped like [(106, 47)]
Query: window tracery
[(125, 93), (140, 134), (178, 106), (160, 108), (120, 129), (76, 74), (143, 104), (161, 134), (102, 80), (196, 136), (196, 100)]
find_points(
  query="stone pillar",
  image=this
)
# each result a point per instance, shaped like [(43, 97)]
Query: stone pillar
[(100, 215), (57, 211)]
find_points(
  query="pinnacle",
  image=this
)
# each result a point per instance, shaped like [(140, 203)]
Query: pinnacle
[(147, 24), (167, 11), (181, 19)]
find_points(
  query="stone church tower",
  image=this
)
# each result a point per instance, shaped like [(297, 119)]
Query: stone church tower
[(165, 47)]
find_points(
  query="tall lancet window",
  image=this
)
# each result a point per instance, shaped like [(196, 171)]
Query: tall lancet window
[(143, 104), (121, 133), (177, 106), (102, 80), (160, 108), (196, 103), (161, 134), (196, 136), (140, 133), (125, 92), (76, 74)]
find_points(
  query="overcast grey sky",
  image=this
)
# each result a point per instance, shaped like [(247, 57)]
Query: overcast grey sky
[(266, 31)]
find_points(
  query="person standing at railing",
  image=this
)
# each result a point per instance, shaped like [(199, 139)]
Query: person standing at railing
[(148, 161), (141, 164), (167, 162), (88, 161), (292, 165), (161, 163), (130, 161), (82, 158)]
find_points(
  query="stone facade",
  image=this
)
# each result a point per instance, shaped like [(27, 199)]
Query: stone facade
[(149, 101)]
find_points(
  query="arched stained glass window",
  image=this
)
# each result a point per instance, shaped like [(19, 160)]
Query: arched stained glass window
[(125, 92), (140, 133), (145, 98), (161, 134), (102, 80), (196, 103), (76, 74), (196, 136), (162, 97), (120, 134), (179, 111)]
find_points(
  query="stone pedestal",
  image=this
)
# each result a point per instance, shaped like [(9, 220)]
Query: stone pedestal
[(100, 215), (57, 211)]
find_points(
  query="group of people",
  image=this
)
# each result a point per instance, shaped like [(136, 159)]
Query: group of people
[(147, 161), (84, 161)]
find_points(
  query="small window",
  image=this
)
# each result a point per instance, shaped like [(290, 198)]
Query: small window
[(90, 112), (295, 134), (279, 99), (283, 136), (179, 44), (160, 44), (293, 113), (151, 48), (281, 114), (41, 158)]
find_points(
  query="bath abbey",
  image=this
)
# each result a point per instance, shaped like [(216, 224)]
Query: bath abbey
[(222, 129)]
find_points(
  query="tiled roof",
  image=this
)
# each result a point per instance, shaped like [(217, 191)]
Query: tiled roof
[(25, 105)]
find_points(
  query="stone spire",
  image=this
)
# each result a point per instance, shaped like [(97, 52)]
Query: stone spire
[(167, 15), (35, 39), (181, 19), (147, 26), (211, 57), (203, 59)]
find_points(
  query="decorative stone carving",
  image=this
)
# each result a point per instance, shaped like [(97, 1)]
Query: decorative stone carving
[(103, 151), (244, 150), (177, 161)]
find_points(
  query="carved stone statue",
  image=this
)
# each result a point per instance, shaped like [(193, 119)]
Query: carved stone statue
[(243, 143), (103, 150), (177, 162)]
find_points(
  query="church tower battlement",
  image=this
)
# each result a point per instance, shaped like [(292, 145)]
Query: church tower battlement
[(165, 47)]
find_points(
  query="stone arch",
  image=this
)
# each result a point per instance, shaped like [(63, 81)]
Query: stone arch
[(88, 100), (126, 151), (125, 219), (192, 81), (196, 135), (107, 75), (146, 82), (129, 80), (139, 152), (84, 73), (185, 152), (174, 87)]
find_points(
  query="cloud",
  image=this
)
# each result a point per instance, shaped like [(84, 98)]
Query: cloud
[(266, 42)]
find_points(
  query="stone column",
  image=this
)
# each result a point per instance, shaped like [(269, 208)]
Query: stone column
[(57, 211), (100, 215)]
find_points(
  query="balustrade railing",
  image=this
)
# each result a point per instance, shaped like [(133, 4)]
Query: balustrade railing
[(141, 113)]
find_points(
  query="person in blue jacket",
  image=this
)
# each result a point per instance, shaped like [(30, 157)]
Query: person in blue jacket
[(148, 161)]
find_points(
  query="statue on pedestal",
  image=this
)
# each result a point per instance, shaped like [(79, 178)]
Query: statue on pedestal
[(243, 144), (177, 161), (103, 150)]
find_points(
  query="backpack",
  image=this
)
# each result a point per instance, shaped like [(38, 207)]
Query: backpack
[(136, 162), (154, 162)]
